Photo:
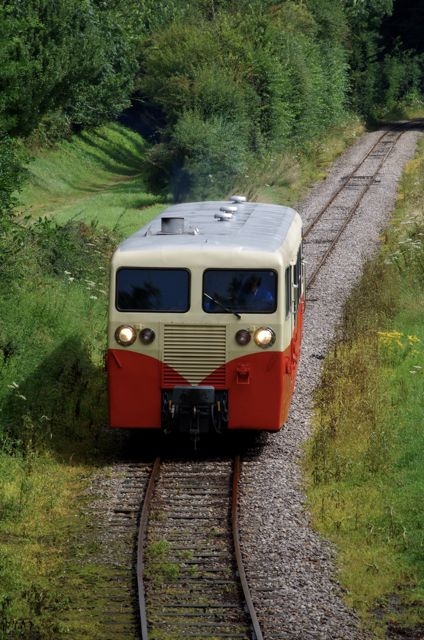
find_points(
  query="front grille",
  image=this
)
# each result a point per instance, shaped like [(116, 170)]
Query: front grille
[(194, 352)]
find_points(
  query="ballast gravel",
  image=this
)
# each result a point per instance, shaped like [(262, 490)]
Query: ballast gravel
[(291, 569)]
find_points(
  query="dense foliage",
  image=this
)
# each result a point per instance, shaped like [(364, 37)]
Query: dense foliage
[(62, 59), (249, 82), (384, 68), (217, 84), (11, 174)]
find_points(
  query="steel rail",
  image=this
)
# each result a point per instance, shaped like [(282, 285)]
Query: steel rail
[(142, 533), (237, 550), (144, 519)]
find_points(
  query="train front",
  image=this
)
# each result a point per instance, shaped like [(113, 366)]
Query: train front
[(202, 337)]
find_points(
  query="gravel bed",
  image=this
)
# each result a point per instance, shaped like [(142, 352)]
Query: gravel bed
[(291, 569)]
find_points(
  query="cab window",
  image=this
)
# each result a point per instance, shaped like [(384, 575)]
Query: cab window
[(143, 289), (239, 290)]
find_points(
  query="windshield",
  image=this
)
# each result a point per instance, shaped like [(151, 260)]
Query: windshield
[(139, 289), (239, 290)]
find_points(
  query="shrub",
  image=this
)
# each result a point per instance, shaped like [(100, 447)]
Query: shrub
[(213, 153), (12, 174), (258, 78)]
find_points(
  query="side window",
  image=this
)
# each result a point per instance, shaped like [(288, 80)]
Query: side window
[(294, 285), (288, 290), (297, 280)]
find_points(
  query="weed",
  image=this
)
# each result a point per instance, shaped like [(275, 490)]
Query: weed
[(158, 567)]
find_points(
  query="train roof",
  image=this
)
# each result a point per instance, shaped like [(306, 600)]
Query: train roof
[(229, 223)]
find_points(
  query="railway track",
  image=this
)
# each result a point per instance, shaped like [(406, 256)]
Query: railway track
[(191, 579), (323, 232)]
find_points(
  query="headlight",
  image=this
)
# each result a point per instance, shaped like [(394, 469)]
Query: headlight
[(125, 335), (264, 337), (243, 337), (147, 336)]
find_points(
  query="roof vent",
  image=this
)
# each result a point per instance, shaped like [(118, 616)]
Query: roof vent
[(228, 209), (223, 215), (226, 212), (238, 199), (172, 225)]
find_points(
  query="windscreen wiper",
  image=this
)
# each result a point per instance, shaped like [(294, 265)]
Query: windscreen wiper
[(217, 302)]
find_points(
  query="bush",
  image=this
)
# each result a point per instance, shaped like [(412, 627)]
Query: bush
[(256, 81), (12, 174), (72, 59), (203, 158)]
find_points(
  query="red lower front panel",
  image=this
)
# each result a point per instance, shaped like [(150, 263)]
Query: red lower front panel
[(134, 384), (259, 389)]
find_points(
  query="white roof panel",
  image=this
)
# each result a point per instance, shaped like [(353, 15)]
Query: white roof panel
[(257, 226)]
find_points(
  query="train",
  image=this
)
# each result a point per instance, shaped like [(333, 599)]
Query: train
[(205, 319)]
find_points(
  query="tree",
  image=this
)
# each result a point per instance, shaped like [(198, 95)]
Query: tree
[(68, 56)]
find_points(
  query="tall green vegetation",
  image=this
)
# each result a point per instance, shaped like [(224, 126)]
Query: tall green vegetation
[(53, 288), (385, 70), (53, 307), (12, 175), (38, 318), (64, 62), (229, 91)]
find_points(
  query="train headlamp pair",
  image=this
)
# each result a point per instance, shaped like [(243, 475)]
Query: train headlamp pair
[(126, 335), (264, 337)]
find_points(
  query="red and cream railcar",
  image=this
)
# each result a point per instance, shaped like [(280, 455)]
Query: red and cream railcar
[(205, 319)]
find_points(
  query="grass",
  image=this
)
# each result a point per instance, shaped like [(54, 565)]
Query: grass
[(53, 404), (82, 197), (95, 177), (52, 420), (364, 462), (159, 569), (34, 530)]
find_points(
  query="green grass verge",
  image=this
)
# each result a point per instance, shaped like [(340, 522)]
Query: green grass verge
[(94, 177), (364, 462), (81, 199), (36, 530)]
